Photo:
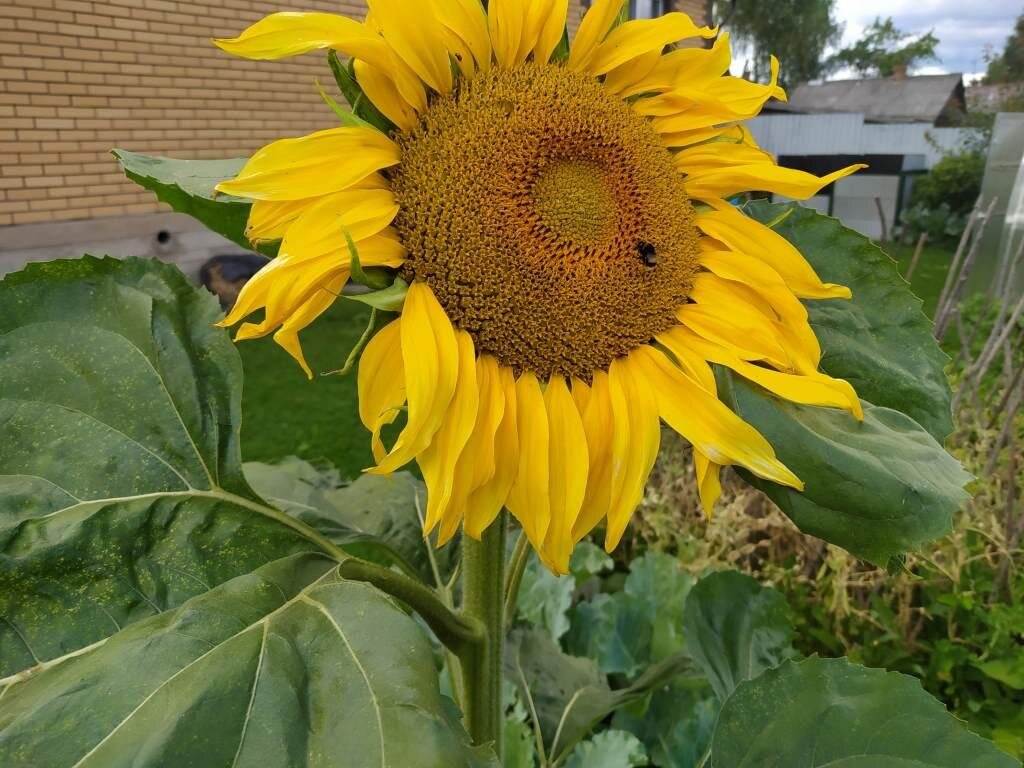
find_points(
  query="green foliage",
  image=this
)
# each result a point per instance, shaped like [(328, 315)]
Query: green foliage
[(608, 749), (773, 711), (795, 31), (284, 665), (736, 629), (188, 187), (883, 48), (374, 517), (897, 369), (944, 197), (827, 712), (1008, 66), (156, 609)]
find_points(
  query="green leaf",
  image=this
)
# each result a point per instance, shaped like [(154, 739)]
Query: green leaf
[(588, 560), (876, 488), (736, 629), (828, 712), (375, 517), (188, 187), (390, 299), (121, 486), (880, 340), (675, 724), (658, 581), (608, 749), (544, 599), (519, 745), (615, 630), (570, 694), (884, 486), (362, 107), (288, 665), (1009, 672)]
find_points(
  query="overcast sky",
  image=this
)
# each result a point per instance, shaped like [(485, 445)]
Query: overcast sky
[(964, 27)]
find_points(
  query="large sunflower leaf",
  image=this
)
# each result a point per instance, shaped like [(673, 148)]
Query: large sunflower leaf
[(121, 486), (885, 485), (880, 340), (188, 187), (288, 665), (375, 517), (877, 488), (736, 629), (828, 712)]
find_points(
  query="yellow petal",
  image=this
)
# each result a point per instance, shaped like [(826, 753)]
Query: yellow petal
[(741, 233), (417, 38), (438, 461), (528, 499), (623, 77), (709, 483), (636, 38), (725, 318), (760, 277), (568, 474), (321, 228), (269, 219), (683, 67), (476, 465), (714, 430), (636, 437), (288, 334), (594, 28), (548, 33), (719, 165), (430, 354), (384, 95), (289, 33), (598, 425), (381, 383), (466, 20), (310, 166), (505, 20), (486, 501), (817, 389)]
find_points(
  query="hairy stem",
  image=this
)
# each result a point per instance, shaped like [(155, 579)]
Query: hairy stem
[(483, 566)]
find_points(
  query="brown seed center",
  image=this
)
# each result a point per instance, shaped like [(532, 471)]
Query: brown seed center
[(548, 219)]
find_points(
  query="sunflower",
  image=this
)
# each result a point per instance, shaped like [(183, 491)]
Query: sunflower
[(560, 216)]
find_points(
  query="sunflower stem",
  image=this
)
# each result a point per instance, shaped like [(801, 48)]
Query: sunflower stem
[(483, 577)]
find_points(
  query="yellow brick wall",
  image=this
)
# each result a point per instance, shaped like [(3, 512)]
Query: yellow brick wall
[(78, 77)]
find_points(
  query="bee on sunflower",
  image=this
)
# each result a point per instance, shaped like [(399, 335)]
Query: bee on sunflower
[(561, 216)]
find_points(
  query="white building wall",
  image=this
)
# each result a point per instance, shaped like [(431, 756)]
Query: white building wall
[(848, 134)]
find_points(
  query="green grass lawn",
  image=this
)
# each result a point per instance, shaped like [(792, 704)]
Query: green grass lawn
[(284, 414), (930, 274)]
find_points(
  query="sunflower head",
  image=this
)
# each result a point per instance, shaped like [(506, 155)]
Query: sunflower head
[(574, 264)]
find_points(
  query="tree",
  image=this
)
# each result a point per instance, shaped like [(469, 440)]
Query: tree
[(883, 48), (796, 31), (1008, 67)]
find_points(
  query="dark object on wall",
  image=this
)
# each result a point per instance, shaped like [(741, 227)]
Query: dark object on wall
[(225, 275)]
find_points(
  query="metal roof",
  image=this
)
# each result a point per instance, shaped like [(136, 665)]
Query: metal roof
[(921, 99)]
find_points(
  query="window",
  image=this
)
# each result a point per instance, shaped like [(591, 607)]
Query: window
[(647, 9)]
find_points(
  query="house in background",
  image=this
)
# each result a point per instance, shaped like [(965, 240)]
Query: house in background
[(900, 126), (78, 77)]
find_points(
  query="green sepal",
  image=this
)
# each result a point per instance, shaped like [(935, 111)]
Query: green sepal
[(390, 299), (346, 117), (362, 107), (373, 278)]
